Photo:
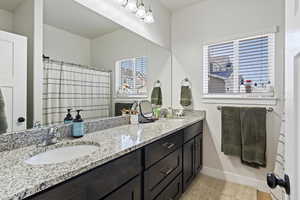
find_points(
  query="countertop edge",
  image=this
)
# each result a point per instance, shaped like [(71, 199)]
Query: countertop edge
[(30, 191)]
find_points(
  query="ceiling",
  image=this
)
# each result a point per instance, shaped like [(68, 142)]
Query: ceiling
[(77, 19), (174, 5), (9, 5)]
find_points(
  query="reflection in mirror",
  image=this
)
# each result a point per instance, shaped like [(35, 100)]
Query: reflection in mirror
[(13, 69), (89, 63), (3, 119), (96, 66)]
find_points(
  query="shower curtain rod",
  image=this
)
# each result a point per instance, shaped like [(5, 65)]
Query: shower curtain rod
[(47, 58)]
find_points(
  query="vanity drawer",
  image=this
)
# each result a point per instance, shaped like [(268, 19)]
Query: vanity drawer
[(193, 130), (105, 179), (173, 191), (97, 183), (159, 149), (162, 173), (130, 191)]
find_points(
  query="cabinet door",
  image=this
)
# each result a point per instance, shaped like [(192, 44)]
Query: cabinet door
[(173, 191), (130, 191), (188, 163), (198, 153)]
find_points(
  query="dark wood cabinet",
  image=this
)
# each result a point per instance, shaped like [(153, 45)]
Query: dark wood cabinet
[(198, 153), (161, 170), (97, 183), (161, 148), (161, 174), (188, 163), (173, 191), (130, 191), (192, 153), (192, 131)]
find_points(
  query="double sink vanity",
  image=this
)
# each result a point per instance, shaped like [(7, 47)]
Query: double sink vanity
[(155, 161)]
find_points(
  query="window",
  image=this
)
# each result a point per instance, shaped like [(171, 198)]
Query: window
[(240, 68), (131, 77)]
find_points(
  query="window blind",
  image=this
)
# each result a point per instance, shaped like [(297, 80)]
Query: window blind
[(131, 77), (243, 66)]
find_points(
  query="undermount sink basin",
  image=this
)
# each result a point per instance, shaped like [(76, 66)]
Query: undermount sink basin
[(62, 154)]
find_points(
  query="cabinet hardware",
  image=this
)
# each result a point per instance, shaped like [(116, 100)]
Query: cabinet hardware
[(168, 145), (167, 172)]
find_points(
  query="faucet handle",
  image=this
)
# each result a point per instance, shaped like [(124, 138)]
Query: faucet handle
[(54, 132), (37, 124)]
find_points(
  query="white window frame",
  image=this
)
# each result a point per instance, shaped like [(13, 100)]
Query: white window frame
[(118, 79), (267, 98)]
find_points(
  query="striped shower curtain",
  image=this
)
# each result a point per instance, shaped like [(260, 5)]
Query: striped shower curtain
[(76, 87)]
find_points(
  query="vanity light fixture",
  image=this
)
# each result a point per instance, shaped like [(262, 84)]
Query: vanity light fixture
[(131, 6), (149, 19), (141, 11)]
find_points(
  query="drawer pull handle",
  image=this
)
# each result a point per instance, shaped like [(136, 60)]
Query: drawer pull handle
[(167, 172), (169, 145)]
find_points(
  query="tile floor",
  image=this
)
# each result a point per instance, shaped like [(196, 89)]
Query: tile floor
[(207, 188)]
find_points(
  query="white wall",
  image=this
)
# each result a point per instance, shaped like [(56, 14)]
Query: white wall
[(65, 46), (108, 49), (214, 20), (159, 32), (38, 60), (6, 20), (27, 21)]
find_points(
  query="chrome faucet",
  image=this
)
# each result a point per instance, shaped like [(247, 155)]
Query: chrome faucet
[(51, 138), (37, 124)]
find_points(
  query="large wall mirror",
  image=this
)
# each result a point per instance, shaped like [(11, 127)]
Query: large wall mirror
[(89, 63)]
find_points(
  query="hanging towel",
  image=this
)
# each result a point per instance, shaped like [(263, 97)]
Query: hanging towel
[(156, 96), (3, 122), (254, 136), (186, 96), (231, 131)]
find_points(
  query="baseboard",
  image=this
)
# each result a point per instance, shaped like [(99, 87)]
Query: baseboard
[(235, 178)]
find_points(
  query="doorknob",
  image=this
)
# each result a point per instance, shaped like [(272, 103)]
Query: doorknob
[(21, 119), (274, 181)]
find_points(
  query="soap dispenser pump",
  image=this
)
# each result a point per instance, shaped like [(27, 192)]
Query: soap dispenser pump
[(78, 125), (68, 119)]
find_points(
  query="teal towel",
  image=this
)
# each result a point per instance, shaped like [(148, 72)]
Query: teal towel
[(156, 96), (254, 136), (186, 96), (3, 122)]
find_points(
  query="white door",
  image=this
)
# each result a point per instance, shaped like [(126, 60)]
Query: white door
[(13, 78), (292, 94)]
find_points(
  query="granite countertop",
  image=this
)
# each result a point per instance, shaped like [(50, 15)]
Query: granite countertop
[(19, 180)]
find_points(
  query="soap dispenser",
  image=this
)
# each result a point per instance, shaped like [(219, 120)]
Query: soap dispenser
[(68, 119), (78, 126)]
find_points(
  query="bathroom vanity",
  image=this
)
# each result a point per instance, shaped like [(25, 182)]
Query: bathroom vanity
[(161, 170), (132, 162)]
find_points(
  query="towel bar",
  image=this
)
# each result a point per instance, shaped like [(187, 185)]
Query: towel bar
[(269, 109)]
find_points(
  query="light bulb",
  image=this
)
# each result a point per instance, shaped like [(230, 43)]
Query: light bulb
[(122, 2), (149, 19), (141, 12), (131, 6)]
